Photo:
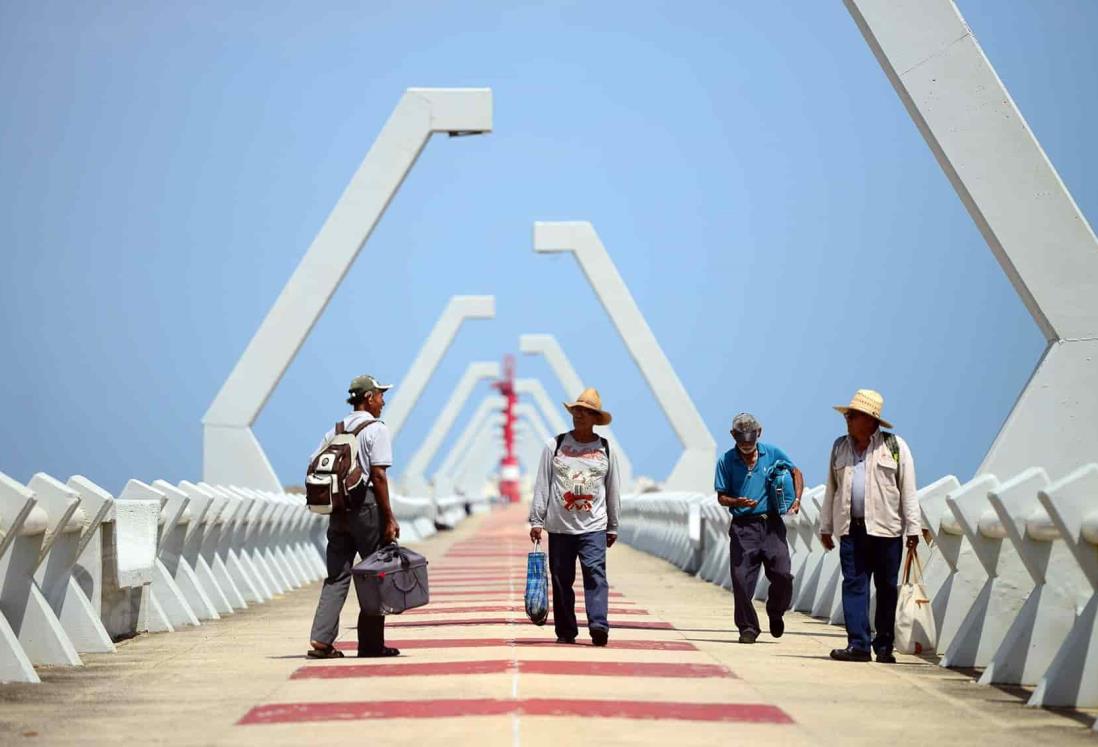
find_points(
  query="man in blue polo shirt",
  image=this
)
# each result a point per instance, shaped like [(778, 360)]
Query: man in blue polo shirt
[(757, 533)]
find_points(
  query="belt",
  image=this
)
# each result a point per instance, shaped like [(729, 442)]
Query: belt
[(857, 521), (750, 517)]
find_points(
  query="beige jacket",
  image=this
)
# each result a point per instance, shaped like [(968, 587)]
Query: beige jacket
[(890, 511)]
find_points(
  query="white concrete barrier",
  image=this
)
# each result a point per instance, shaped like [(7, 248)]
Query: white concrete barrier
[(54, 576), (19, 517), (1072, 677), (1013, 573), (25, 607)]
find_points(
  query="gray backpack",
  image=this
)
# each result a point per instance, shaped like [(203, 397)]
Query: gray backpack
[(391, 580)]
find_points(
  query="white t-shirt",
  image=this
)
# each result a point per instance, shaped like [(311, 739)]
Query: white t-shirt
[(375, 444), (577, 489)]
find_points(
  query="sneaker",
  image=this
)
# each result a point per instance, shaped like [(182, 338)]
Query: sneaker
[(885, 657), (748, 637), (849, 654), (777, 626), (384, 652), (599, 636)]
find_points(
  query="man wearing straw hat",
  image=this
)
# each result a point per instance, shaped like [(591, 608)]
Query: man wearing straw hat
[(871, 504), (576, 499), (757, 532)]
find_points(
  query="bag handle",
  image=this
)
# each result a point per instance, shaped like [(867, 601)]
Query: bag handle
[(537, 545), (414, 584), (912, 560)]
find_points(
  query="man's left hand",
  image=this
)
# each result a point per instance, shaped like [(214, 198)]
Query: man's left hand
[(611, 539), (912, 540), (795, 508)]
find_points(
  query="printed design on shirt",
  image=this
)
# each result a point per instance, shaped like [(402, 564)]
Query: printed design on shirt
[(578, 474)]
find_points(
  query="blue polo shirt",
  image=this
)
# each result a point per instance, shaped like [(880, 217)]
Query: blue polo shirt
[(735, 480)]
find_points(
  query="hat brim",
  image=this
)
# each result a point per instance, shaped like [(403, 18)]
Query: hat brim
[(604, 416), (844, 409)]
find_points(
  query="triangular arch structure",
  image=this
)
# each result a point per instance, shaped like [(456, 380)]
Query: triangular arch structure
[(231, 453), (1025, 213)]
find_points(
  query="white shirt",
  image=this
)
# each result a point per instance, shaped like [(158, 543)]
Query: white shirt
[(576, 490), (375, 444)]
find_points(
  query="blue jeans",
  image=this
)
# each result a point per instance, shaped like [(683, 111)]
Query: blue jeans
[(863, 555), (564, 549)]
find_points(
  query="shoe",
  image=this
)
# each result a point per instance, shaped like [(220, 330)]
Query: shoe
[(328, 652), (386, 651), (849, 654), (599, 636), (777, 626), (748, 637), (885, 657), (561, 639)]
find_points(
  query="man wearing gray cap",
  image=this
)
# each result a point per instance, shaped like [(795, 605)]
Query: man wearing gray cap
[(744, 483), (365, 525)]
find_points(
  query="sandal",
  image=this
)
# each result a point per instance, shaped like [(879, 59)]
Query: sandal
[(331, 652), (385, 651)]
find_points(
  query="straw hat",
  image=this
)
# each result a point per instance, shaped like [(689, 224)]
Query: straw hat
[(867, 401), (590, 399)]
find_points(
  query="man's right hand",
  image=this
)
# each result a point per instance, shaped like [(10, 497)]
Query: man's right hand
[(535, 534), (391, 531), (743, 503), (827, 542)]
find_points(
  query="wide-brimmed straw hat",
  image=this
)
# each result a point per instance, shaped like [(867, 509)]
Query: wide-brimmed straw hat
[(867, 401), (589, 398)]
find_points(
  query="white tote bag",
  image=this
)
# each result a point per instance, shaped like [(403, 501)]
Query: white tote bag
[(915, 629)]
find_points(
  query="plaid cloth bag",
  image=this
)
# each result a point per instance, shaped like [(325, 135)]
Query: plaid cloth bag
[(537, 587)]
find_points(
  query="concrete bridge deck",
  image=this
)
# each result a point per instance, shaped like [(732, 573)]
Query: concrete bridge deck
[(474, 669)]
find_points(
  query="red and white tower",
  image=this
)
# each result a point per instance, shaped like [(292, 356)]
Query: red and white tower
[(508, 466)]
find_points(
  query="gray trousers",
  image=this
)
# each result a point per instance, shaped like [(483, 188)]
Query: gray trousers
[(357, 531), (754, 542)]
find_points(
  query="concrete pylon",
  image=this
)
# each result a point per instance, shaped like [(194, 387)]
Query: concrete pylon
[(1027, 216), (442, 478), (231, 452), (534, 389), (414, 482), (570, 382), (427, 359), (694, 469)]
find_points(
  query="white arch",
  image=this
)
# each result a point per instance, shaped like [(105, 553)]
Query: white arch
[(231, 452), (414, 481), (694, 469), (1027, 216)]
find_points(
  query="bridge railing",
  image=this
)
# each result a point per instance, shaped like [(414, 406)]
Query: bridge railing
[(81, 569), (1012, 574)]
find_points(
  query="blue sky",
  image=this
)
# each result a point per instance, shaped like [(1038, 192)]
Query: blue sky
[(777, 217)]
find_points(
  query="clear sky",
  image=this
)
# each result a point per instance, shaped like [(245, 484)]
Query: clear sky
[(776, 215)]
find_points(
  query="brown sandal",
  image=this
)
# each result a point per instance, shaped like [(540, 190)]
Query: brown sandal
[(331, 652)]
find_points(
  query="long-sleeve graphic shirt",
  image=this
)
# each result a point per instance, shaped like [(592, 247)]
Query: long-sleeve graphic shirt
[(576, 490)]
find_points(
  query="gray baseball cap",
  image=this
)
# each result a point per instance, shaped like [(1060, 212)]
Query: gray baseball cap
[(363, 385), (746, 426)]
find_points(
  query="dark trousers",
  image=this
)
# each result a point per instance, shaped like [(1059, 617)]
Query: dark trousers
[(349, 532), (863, 555), (590, 549), (755, 542)]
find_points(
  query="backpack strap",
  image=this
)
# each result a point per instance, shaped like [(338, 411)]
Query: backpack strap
[(363, 426), (339, 429), (560, 440), (894, 448)]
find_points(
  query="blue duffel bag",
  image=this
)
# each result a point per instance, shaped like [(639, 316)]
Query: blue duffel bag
[(537, 587)]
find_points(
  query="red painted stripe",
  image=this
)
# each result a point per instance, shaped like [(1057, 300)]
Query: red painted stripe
[(278, 713), (628, 625), (471, 592), (433, 610), (499, 666), (427, 643)]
